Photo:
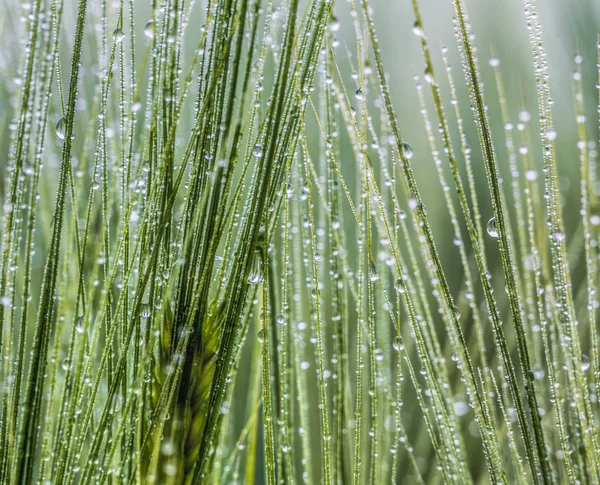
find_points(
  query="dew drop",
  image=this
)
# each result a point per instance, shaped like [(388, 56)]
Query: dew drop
[(61, 128), (418, 30), (429, 77), (456, 312), (170, 469), (397, 344), (146, 310), (334, 25), (118, 35), (461, 407), (79, 324), (373, 276), (408, 150), (398, 286), (256, 276), (531, 175), (585, 363), (260, 336), (149, 29), (257, 151), (359, 94), (524, 116), (289, 190), (167, 448), (492, 228)]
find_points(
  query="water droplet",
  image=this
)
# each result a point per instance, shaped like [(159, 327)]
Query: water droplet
[(167, 448), (524, 116), (408, 150), (494, 61), (61, 128), (146, 310), (398, 286), (418, 30), (359, 94), (289, 190), (256, 276), (461, 407), (585, 363), (492, 228), (118, 35), (531, 175), (334, 24), (79, 324), (429, 77), (257, 151), (373, 276), (149, 29), (397, 344), (456, 312), (260, 336)]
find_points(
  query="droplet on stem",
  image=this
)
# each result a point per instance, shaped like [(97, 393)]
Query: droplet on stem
[(257, 151), (408, 150), (149, 29), (585, 363), (146, 310), (61, 129), (418, 30), (256, 275), (492, 228), (118, 34)]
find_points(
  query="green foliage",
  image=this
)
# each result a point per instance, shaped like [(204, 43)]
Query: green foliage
[(218, 266)]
